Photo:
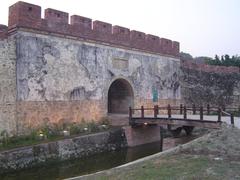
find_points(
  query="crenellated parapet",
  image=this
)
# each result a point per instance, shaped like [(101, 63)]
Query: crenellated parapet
[(3, 31), (27, 15)]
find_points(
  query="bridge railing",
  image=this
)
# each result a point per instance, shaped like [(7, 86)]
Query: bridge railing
[(184, 110)]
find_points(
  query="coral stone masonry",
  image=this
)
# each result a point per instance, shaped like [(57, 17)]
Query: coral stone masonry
[(56, 70)]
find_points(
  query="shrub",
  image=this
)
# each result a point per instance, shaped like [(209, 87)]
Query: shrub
[(51, 132), (92, 126), (104, 121)]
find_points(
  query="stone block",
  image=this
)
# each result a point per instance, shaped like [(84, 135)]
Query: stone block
[(141, 135)]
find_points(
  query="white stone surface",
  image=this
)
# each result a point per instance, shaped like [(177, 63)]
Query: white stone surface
[(52, 68)]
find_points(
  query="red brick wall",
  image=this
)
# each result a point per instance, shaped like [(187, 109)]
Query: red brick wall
[(3, 31), (28, 15)]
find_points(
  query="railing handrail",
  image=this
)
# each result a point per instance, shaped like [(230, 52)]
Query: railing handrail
[(184, 109), (188, 108), (226, 113)]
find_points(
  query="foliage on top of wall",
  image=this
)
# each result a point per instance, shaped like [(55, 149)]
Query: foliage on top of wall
[(224, 60)]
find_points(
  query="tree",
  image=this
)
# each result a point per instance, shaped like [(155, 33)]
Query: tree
[(185, 56), (225, 60)]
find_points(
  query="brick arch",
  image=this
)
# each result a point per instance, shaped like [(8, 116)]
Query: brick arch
[(120, 96)]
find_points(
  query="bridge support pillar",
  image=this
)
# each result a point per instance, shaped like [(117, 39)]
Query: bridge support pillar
[(142, 135)]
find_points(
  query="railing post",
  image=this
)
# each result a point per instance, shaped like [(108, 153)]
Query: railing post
[(232, 119), (194, 109), (181, 108), (155, 111), (130, 116), (184, 112), (239, 110), (161, 138), (142, 111), (224, 108), (201, 113), (169, 111), (219, 114), (208, 109)]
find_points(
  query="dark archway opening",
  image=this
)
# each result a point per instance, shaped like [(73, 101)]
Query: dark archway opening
[(120, 97)]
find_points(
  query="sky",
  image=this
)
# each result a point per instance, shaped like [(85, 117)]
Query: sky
[(203, 27)]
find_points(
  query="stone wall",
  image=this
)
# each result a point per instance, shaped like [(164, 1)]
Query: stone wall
[(34, 114), (142, 135), (203, 84), (53, 70), (7, 85), (77, 147), (60, 78)]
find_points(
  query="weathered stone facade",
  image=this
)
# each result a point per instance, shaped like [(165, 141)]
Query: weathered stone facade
[(63, 72), (62, 78), (7, 84), (203, 84), (53, 71)]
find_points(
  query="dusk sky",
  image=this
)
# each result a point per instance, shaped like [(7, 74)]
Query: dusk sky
[(203, 27)]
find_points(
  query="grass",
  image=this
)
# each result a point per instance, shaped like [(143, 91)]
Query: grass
[(177, 167), (214, 157), (51, 133)]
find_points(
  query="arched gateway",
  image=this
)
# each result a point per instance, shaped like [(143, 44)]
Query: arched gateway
[(120, 96)]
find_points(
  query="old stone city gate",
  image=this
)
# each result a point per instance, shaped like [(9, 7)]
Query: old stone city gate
[(54, 70)]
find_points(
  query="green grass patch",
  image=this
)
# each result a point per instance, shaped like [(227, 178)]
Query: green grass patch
[(175, 167), (53, 132)]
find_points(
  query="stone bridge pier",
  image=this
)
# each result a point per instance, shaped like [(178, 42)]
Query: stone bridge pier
[(142, 135)]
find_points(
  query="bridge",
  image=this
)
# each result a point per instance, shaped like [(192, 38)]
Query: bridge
[(178, 118), (209, 117), (142, 125)]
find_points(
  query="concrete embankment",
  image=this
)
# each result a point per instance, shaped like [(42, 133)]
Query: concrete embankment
[(65, 149)]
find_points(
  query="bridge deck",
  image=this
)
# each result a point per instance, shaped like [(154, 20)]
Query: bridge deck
[(210, 121), (194, 116)]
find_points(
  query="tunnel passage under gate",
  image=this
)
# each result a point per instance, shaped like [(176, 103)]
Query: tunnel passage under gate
[(120, 96)]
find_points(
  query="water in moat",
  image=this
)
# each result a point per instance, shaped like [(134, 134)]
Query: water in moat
[(93, 163)]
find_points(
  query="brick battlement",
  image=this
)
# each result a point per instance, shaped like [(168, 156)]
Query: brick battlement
[(28, 15), (209, 68), (3, 31)]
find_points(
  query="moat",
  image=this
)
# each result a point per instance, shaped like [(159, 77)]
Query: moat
[(99, 162)]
